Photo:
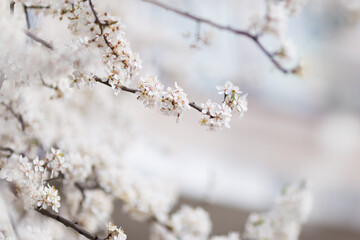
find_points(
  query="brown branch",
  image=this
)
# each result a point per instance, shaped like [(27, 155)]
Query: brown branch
[(132, 90), (68, 223), (126, 89), (37, 7), (195, 106), (39, 40), (254, 38), (26, 16), (102, 26), (55, 88), (60, 176), (12, 7), (31, 35), (7, 149), (18, 116), (10, 151)]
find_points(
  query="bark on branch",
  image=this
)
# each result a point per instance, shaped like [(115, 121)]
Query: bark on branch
[(69, 224)]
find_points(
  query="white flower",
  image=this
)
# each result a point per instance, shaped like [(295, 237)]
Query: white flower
[(240, 104), (38, 165), (26, 167), (115, 233), (150, 90), (209, 107), (228, 88), (284, 220), (56, 161), (76, 78), (191, 223), (174, 102), (219, 117), (49, 198)]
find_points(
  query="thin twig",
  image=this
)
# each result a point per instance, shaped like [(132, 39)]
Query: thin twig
[(12, 6), (7, 149), (56, 88), (39, 40), (68, 223), (195, 106), (37, 7), (126, 89), (60, 176), (102, 25), (254, 38), (26, 16), (18, 116)]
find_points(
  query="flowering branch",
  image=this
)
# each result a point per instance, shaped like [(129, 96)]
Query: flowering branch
[(253, 37), (126, 89), (150, 91), (68, 223), (96, 78), (132, 90)]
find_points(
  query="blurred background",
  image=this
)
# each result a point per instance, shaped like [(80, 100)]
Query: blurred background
[(295, 128)]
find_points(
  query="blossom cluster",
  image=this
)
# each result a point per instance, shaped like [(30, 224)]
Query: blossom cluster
[(143, 198), (172, 102), (186, 223), (32, 177), (115, 233), (284, 221), (219, 116), (105, 32), (274, 23)]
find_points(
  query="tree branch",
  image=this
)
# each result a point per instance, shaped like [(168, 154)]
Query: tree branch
[(7, 149), (254, 38), (195, 106), (59, 93), (39, 40), (18, 116), (68, 223), (37, 7), (132, 90), (12, 6), (96, 78), (26, 17), (126, 89)]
